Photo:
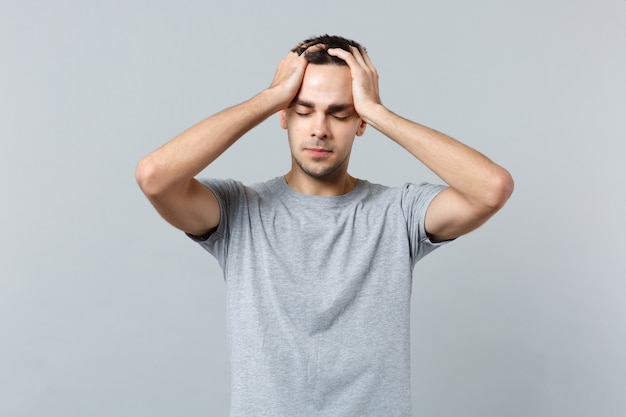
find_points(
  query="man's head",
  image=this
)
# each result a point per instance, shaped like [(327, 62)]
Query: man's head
[(321, 121), (320, 56)]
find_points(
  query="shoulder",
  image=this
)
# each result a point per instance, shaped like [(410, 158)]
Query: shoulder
[(424, 191), (408, 192), (225, 188), (221, 184), (271, 186), (413, 200), (230, 192)]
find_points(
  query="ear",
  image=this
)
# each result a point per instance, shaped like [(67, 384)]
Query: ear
[(283, 119), (361, 129)]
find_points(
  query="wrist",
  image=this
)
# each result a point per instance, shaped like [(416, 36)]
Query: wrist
[(267, 102), (278, 98), (374, 114)]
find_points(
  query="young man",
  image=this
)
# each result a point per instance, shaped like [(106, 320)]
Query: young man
[(318, 264)]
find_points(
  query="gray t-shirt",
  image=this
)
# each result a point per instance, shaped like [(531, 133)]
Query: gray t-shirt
[(318, 296)]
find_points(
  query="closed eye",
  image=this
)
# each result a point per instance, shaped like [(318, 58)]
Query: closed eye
[(341, 116)]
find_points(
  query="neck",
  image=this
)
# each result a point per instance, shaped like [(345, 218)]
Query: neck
[(330, 187)]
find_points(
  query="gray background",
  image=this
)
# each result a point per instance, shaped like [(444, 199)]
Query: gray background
[(105, 310)]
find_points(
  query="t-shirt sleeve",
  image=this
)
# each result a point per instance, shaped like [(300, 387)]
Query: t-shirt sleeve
[(415, 202), (228, 194)]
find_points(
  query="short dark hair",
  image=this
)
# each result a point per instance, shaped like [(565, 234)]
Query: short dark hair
[(321, 56)]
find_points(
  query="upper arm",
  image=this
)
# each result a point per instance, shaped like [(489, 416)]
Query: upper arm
[(191, 207), (451, 215)]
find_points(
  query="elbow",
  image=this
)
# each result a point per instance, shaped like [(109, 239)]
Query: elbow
[(500, 187), (147, 177)]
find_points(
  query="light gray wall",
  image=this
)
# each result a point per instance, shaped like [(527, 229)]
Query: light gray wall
[(105, 310)]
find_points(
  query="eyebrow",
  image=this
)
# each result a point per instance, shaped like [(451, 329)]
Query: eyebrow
[(331, 109)]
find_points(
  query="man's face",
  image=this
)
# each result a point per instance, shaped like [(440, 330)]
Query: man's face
[(321, 122)]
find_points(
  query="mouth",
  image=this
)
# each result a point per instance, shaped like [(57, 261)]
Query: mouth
[(318, 152)]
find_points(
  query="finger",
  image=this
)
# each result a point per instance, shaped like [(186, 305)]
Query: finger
[(301, 48), (364, 60), (291, 56), (343, 54), (314, 48), (358, 56), (355, 61), (367, 59)]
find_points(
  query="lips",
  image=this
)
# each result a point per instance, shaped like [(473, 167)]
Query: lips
[(318, 152)]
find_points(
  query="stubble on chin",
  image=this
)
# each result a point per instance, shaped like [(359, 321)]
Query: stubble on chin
[(322, 173)]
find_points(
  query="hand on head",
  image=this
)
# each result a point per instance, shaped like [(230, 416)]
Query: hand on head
[(290, 72), (365, 91), (329, 50)]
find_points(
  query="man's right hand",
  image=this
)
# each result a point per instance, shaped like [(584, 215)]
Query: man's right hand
[(166, 176), (289, 75)]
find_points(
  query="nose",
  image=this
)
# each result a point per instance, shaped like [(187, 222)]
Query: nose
[(320, 127)]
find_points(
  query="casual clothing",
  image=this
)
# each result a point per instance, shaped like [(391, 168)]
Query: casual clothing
[(318, 296)]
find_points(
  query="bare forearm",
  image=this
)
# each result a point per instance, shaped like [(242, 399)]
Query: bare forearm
[(466, 170), (478, 187), (193, 150)]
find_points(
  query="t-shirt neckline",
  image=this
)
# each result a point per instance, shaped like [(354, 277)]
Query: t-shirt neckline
[(323, 201)]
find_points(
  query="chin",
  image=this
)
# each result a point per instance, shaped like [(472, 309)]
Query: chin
[(321, 171)]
